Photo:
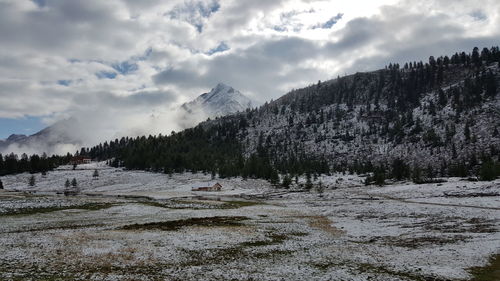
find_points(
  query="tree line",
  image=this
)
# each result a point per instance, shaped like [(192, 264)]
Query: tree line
[(13, 164)]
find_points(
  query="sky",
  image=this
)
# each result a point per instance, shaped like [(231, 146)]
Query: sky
[(119, 64)]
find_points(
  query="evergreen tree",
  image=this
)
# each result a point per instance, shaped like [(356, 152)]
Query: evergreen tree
[(67, 184), (400, 170), (379, 177), (74, 183), (309, 184), (32, 180), (95, 174), (442, 100), (286, 181), (320, 189), (467, 132), (416, 175), (489, 171), (476, 60)]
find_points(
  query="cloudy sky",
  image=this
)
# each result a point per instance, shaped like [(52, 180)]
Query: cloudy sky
[(118, 60)]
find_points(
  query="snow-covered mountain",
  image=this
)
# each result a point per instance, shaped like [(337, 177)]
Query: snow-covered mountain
[(70, 134), (220, 101), (51, 140)]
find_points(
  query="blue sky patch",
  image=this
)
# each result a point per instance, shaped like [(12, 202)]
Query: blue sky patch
[(22, 126), (40, 3), (125, 67), (64, 82), (479, 15), (194, 12), (106, 75), (330, 23), (219, 49), (280, 28)]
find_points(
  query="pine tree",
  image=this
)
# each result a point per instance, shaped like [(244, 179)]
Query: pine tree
[(274, 177), (286, 181), (32, 180), (442, 98), (399, 169), (95, 174), (320, 189), (74, 183), (416, 175), (379, 176), (476, 60), (309, 184), (67, 184), (489, 171)]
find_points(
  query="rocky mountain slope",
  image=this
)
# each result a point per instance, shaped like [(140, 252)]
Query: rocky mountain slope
[(220, 101)]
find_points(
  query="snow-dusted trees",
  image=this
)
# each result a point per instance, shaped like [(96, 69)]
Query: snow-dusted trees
[(358, 123), (286, 182), (489, 170), (13, 164), (32, 181)]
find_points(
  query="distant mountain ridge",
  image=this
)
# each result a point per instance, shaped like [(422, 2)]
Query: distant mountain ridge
[(46, 140), (70, 133)]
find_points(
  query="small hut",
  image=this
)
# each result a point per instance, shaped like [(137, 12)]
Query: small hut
[(215, 187), (77, 160)]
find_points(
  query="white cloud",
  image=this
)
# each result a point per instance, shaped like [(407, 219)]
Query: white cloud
[(50, 54)]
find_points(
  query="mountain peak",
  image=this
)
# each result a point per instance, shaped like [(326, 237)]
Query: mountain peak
[(221, 100), (221, 85)]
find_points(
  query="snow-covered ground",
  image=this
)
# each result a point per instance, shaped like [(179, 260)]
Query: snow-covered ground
[(132, 225)]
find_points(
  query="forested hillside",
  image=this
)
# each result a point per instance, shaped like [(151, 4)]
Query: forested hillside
[(419, 120)]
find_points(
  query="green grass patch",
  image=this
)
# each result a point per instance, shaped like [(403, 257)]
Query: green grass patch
[(491, 272), (273, 239), (238, 252), (238, 204), (200, 204), (178, 224), (40, 210), (380, 269)]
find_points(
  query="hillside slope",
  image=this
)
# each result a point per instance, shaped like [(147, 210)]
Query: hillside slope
[(439, 118), (432, 114)]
